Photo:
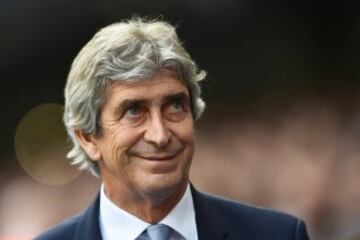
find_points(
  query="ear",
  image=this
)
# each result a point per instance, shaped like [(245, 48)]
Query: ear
[(89, 144)]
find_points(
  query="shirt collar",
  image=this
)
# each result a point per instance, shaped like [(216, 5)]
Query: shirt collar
[(116, 223), (182, 217)]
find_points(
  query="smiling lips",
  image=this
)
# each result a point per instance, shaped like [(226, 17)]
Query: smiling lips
[(160, 157), (150, 152)]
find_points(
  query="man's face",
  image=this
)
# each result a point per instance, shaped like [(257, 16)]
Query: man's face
[(146, 145)]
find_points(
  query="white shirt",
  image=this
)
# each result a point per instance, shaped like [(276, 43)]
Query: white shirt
[(117, 224)]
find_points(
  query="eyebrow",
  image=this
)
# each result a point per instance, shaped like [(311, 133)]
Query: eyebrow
[(181, 95), (142, 101)]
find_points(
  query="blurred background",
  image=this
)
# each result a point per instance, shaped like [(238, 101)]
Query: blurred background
[(282, 124)]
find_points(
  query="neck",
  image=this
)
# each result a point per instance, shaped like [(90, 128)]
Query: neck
[(150, 207)]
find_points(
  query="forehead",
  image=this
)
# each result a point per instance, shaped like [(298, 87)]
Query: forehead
[(163, 84)]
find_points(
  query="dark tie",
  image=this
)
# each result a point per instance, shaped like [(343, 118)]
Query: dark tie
[(159, 232)]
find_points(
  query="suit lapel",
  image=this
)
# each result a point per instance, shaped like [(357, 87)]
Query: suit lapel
[(88, 226), (208, 221)]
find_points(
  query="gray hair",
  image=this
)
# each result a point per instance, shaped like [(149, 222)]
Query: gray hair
[(128, 51)]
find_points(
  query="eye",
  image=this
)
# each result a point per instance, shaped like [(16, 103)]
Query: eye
[(133, 113), (133, 110), (176, 109), (176, 105)]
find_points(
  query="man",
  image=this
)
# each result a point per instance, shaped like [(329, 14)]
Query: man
[(131, 99)]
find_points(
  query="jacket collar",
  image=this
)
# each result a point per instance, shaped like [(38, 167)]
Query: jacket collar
[(88, 227), (208, 220)]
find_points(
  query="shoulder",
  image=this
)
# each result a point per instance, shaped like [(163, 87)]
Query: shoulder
[(248, 220), (233, 208), (82, 226), (64, 230)]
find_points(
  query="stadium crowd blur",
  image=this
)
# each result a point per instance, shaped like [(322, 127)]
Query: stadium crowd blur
[(281, 129)]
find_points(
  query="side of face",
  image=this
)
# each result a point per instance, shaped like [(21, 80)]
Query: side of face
[(146, 145)]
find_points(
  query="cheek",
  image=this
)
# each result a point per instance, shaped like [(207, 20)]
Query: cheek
[(185, 131), (118, 141)]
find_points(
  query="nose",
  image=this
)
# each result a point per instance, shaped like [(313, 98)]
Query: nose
[(157, 132)]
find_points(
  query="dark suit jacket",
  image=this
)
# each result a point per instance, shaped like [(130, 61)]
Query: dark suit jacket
[(216, 218)]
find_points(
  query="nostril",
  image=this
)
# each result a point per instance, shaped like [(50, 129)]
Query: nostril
[(158, 136), (160, 139)]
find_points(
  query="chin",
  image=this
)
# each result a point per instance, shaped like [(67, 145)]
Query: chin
[(161, 184)]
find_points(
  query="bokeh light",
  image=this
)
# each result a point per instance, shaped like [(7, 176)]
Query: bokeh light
[(41, 145)]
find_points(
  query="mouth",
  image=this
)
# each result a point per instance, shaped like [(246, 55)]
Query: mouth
[(158, 157)]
